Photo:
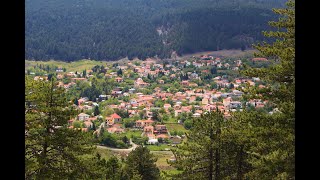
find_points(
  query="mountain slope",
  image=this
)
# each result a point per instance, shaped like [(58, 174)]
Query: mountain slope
[(112, 29)]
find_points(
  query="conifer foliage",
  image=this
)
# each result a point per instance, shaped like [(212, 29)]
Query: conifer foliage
[(251, 144), (52, 151), (272, 148), (201, 156), (140, 164)]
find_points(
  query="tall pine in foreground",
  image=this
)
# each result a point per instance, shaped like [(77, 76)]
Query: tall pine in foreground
[(140, 164), (52, 151), (272, 139), (210, 151)]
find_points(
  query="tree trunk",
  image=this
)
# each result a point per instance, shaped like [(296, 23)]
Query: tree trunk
[(217, 156), (240, 163), (211, 158)]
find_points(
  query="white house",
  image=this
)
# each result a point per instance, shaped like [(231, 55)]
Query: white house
[(83, 116), (153, 141)]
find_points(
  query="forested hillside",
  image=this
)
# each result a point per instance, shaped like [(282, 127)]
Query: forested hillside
[(113, 29)]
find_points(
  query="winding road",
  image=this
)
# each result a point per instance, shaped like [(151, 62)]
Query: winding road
[(134, 146)]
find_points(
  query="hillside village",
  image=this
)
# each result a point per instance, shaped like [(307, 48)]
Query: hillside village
[(153, 102), (175, 90)]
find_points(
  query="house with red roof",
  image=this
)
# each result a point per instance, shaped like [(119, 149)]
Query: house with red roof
[(166, 106), (114, 118), (118, 79), (163, 136), (87, 124), (148, 131), (160, 129), (143, 123), (115, 129), (259, 59), (139, 83), (184, 83)]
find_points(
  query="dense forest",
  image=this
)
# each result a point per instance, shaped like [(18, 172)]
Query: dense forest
[(113, 29)]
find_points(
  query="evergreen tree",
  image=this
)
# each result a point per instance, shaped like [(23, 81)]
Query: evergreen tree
[(155, 115), (96, 110), (113, 167), (125, 139), (205, 154), (272, 148), (140, 161), (119, 72), (231, 86), (52, 151), (213, 70), (76, 101), (50, 76), (84, 73)]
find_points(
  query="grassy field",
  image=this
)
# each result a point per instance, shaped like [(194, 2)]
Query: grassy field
[(131, 133), (172, 120), (105, 153), (161, 147), (80, 65), (70, 66), (162, 160), (177, 127), (161, 156)]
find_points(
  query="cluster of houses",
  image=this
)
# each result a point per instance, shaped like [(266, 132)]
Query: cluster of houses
[(182, 102)]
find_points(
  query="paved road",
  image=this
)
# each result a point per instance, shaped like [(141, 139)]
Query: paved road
[(134, 146)]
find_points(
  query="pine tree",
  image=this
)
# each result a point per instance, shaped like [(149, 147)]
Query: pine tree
[(272, 143), (113, 167), (96, 110), (52, 151), (119, 72), (141, 162), (231, 86), (125, 139), (84, 73), (213, 70), (50, 76), (76, 101), (204, 155)]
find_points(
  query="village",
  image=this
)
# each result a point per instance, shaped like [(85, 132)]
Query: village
[(153, 102)]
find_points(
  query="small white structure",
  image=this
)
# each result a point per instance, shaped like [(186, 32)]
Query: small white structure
[(153, 141), (196, 115)]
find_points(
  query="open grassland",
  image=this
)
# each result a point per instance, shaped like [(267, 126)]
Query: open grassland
[(70, 66), (86, 64), (160, 147), (175, 127), (133, 133), (105, 153), (162, 157), (80, 65)]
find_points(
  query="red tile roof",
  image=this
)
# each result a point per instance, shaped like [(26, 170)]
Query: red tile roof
[(115, 115), (162, 136), (149, 120)]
